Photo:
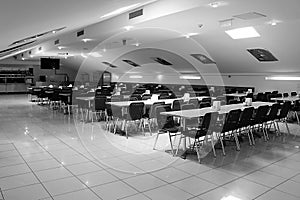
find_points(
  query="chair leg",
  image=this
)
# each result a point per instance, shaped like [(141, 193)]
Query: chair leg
[(155, 141), (198, 150), (170, 138), (287, 127), (252, 137), (179, 144), (213, 145), (236, 141), (222, 144)]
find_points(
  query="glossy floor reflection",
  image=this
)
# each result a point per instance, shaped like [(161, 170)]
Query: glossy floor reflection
[(47, 155)]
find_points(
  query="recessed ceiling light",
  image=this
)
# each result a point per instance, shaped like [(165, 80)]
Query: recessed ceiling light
[(217, 4), (136, 76), (61, 47), (188, 35), (120, 10), (273, 22), (128, 28), (283, 78), (242, 33), (86, 39), (191, 77)]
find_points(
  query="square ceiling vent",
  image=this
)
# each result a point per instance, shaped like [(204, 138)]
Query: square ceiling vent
[(203, 58), (161, 61), (109, 64), (130, 62), (262, 55), (250, 16)]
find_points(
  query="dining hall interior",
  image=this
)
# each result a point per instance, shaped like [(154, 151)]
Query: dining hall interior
[(149, 100)]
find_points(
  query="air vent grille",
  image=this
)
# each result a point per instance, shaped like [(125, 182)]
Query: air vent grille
[(131, 63), (203, 58), (136, 13), (16, 47), (56, 42), (262, 55), (80, 33), (250, 16), (161, 61), (109, 64)]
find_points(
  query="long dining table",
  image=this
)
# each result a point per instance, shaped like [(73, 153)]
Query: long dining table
[(290, 98), (194, 113)]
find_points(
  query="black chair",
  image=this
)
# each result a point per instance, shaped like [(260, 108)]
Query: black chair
[(135, 114), (98, 108), (271, 117), (231, 125), (204, 104), (166, 125), (245, 125), (282, 116), (285, 94), (295, 109), (195, 102), (146, 96), (294, 94), (177, 105), (259, 120), (202, 132), (232, 101)]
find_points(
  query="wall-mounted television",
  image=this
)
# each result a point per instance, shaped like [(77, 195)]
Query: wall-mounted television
[(50, 63)]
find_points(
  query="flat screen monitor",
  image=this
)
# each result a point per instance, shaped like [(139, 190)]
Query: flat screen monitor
[(50, 63)]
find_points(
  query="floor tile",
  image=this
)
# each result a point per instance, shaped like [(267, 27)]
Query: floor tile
[(65, 185), (280, 171), (37, 157), (32, 192), (53, 174), (144, 182), (11, 161), (217, 176), (170, 174), (290, 187), (73, 159), (167, 192), (44, 164), (194, 185), (113, 191), (78, 195), (277, 195), (97, 178), (6, 147), (246, 188), (17, 181), (14, 170), (193, 168), (222, 194), (136, 197), (264, 178), (83, 168)]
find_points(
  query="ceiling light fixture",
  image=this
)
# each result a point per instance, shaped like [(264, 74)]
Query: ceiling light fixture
[(120, 10), (128, 28), (190, 77), (136, 76), (273, 22), (283, 78), (61, 47), (230, 197), (188, 35), (242, 33), (86, 39)]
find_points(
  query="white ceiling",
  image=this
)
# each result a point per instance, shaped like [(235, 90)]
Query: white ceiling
[(164, 22)]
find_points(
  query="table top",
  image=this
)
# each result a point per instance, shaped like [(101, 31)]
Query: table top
[(291, 98), (235, 95), (201, 112), (65, 94), (150, 102), (90, 98)]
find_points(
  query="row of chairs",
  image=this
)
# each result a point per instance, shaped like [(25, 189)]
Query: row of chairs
[(227, 126)]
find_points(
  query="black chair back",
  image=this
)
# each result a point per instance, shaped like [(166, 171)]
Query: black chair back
[(187, 107), (246, 117), (100, 103), (273, 112), (164, 121), (136, 110), (231, 121), (177, 105), (204, 105), (284, 110)]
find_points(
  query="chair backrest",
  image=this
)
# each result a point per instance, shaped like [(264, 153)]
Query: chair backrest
[(285, 108), (100, 103), (273, 111), (164, 121), (204, 104), (152, 112), (133, 98), (232, 101), (246, 116), (136, 110), (164, 96), (115, 98), (293, 94), (261, 114), (146, 96), (187, 106), (206, 100), (231, 121), (195, 102), (177, 105), (285, 94)]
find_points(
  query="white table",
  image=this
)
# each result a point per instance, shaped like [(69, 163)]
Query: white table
[(88, 98), (235, 95), (193, 113), (292, 99)]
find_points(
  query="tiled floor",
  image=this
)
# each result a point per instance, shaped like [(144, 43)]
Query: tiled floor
[(47, 155)]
